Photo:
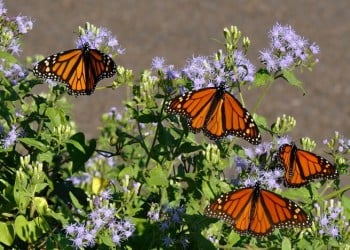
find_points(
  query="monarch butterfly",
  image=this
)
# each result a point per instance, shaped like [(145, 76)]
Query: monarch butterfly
[(302, 166), (256, 211), (79, 69), (216, 112)]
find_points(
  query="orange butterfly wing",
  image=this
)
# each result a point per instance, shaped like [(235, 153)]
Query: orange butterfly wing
[(255, 211), (217, 113), (79, 69), (302, 166)]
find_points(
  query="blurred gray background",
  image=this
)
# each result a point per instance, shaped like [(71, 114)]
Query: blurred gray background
[(179, 29)]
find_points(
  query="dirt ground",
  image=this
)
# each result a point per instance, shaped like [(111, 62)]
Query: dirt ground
[(179, 29)]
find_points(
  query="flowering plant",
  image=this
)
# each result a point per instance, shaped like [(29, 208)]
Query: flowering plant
[(144, 182)]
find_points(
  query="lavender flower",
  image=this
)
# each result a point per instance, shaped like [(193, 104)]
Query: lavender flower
[(330, 220), (339, 143), (121, 230), (167, 241), (3, 10), (263, 148), (169, 71), (70, 229), (11, 138), (11, 29), (315, 49), (98, 38), (113, 113), (164, 225), (82, 179), (116, 238), (14, 47), (158, 63), (249, 166), (153, 215), (241, 164), (78, 242), (14, 73), (199, 70), (249, 182), (245, 69), (184, 242), (287, 49), (283, 140), (24, 24), (212, 71), (102, 221), (106, 194)]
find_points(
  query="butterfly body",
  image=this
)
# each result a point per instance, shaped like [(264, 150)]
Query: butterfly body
[(216, 112), (301, 166), (79, 69), (256, 211)]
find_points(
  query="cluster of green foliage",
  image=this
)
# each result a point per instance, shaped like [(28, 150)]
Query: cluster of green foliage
[(147, 159)]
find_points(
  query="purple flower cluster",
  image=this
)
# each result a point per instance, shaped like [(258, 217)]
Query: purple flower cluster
[(113, 113), (11, 29), (287, 49), (254, 165), (170, 220), (269, 178), (330, 219), (99, 38), (339, 143), (212, 71), (204, 71), (154, 213), (100, 221), (10, 138), (13, 72), (169, 72)]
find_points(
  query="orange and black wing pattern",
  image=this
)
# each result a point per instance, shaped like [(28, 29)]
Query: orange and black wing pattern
[(215, 112), (79, 69), (302, 166), (257, 212)]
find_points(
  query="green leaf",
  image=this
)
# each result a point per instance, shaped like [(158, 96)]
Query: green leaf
[(20, 193), (58, 216), (29, 231), (207, 191), (75, 201), (56, 116), (188, 147), (233, 238), (157, 177), (79, 151), (46, 156), (6, 234), (33, 143), (260, 120), (346, 204), (8, 57), (164, 137), (42, 208), (129, 170), (146, 117), (77, 145), (262, 77), (292, 79), (300, 194), (286, 244), (40, 186), (40, 205)]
